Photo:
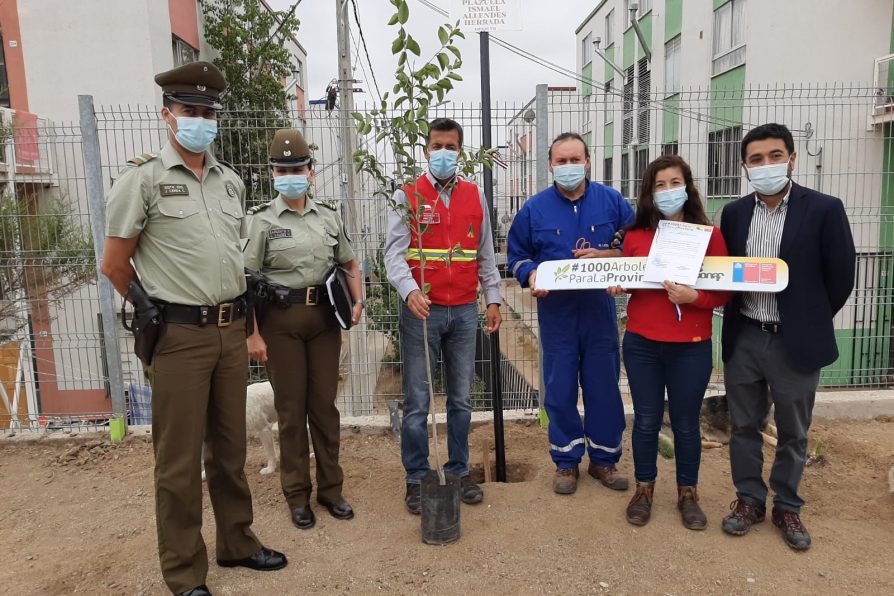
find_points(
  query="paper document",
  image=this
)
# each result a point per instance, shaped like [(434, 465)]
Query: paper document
[(677, 252)]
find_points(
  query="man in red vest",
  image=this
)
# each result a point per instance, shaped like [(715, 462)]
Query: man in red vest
[(446, 239)]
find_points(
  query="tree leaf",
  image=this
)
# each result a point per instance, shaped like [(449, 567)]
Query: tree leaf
[(443, 36), (397, 45), (413, 46), (455, 51), (443, 60), (394, 19), (454, 76), (403, 12)]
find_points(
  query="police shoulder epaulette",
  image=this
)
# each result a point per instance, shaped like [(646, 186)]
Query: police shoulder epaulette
[(330, 204), (141, 159), (258, 208)]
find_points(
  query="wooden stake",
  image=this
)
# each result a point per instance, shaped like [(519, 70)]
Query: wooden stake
[(711, 444), (485, 460), (771, 441)]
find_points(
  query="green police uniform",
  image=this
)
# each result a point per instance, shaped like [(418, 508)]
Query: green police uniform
[(189, 257), (296, 249)]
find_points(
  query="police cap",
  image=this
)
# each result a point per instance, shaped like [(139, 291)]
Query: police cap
[(193, 84), (289, 149)]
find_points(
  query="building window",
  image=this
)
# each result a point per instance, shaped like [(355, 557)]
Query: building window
[(586, 50), (644, 88), (729, 36), (609, 102), (642, 161), (672, 148), (607, 171), (625, 174), (609, 28), (4, 79), (183, 52), (723, 162), (644, 7), (672, 56), (628, 100), (625, 16)]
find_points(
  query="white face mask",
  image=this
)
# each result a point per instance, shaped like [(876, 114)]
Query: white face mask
[(770, 179)]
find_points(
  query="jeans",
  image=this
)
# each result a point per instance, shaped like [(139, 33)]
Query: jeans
[(451, 333), (684, 369)]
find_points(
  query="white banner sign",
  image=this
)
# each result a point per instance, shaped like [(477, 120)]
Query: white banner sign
[(487, 15), (738, 274)]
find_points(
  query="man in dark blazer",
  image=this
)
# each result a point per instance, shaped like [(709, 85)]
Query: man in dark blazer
[(780, 342)]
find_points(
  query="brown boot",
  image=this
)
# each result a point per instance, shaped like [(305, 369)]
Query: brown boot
[(687, 502), (565, 481), (609, 476), (639, 510)]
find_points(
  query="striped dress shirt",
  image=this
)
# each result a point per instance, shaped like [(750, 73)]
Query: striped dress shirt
[(764, 237)]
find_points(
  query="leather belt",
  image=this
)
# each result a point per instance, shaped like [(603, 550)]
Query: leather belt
[(221, 315), (310, 296), (772, 328)]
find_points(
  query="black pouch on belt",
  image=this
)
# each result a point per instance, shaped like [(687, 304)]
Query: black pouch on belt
[(147, 325)]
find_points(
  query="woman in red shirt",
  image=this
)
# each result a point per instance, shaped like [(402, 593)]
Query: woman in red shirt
[(667, 345)]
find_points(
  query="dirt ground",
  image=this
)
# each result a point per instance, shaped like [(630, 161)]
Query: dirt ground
[(77, 517)]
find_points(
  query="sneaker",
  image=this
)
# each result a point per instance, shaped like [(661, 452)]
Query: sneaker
[(793, 531), (565, 480), (470, 492), (744, 515), (413, 499), (687, 502), (639, 510), (609, 476)]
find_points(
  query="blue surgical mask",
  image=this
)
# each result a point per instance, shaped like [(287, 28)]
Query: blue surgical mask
[(442, 163), (770, 179), (195, 134), (670, 201), (569, 176), (291, 186)]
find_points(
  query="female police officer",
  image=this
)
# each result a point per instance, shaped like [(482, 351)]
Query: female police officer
[(294, 241)]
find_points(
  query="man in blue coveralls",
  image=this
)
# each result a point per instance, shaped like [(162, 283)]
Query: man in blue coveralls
[(575, 218)]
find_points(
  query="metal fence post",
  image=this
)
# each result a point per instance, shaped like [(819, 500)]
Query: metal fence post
[(541, 115), (97, 209)]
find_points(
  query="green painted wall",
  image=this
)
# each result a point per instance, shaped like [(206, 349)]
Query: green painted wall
[(839, 373), (587, 75), (886, 225), (726, 99), (719, 3), (588, 140), (673, 19), (630, 43), (670, 128), (645, 24), (609, 71), (608, 140)]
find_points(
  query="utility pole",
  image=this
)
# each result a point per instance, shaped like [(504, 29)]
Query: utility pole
[(357, 393)]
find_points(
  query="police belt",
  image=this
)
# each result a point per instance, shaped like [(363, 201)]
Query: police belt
[(310, 296), (221, 315)]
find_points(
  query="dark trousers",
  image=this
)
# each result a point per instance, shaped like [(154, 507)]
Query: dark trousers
[(684, 369), (303, 347), (759, 364), (198, 379)]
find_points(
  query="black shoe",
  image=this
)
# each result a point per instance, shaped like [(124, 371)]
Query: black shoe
[(265, 559), (793, 531), (744, 515), (303, 517), (413, 499), (339, 509), (197, 591), (471, 493)]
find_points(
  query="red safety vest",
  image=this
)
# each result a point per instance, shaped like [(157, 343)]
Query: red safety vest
[(452, 273)]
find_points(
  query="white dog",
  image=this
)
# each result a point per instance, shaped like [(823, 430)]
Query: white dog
[(260, 421)]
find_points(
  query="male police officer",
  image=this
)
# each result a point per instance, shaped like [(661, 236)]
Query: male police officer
[(177, 214)]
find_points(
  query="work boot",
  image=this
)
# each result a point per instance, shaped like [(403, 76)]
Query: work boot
[(687, 502), (413, 500), (639, 509), (565, 481), (608, 476), (470, 492), (744, 515), (793, 531)]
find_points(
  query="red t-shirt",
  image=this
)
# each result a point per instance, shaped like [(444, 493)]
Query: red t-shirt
[(652, 315)]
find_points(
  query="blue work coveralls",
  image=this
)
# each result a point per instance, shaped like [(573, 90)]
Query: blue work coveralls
[(578, 328)]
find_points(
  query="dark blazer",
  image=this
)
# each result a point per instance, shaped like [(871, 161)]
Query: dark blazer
[(819, 249)]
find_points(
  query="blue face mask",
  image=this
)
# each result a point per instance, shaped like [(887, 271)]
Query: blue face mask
[(569, 176), (195, 134), (442, 163), (291, 186), (670, 201)]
